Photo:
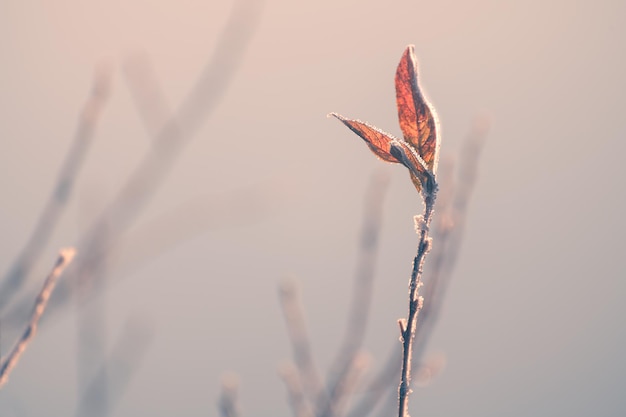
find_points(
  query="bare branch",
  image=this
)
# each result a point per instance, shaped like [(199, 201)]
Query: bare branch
[(7, 364), (143, 183), (209, 212), (15, 277), (104, 391), (300, 343), (358, 314), (349, 383), (91, 347), (228, 402), (145, 90), (300, 406), (170, 140)]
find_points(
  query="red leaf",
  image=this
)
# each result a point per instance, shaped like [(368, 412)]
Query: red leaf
[(378, 141), (417, 119), (419, 149)]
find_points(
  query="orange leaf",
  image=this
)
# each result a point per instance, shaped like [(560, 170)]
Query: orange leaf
[(417, 118), (388, 148), (419, 149), (378, 141)]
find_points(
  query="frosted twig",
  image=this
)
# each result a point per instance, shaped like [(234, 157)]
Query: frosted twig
[(8, 363), (300, 344), (449, 231), (415, 301), (15, 277)]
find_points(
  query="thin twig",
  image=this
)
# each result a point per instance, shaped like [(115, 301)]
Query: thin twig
[(145, 90), (49, 217), (423, 373), (91, 347), (300, 343), (228, 401), (362, 292), (210, 212), (300, 406), (143, 183), (169, 142), (349, 383), (105, 389), (449, 231), (378, 386), (415, 301), (7, 364), (441, 231), (91, 338)]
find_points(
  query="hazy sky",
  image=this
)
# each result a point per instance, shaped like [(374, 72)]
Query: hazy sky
[(533, 320)]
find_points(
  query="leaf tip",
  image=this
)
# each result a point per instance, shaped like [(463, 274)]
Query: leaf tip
[(409, 52), (335, 115)]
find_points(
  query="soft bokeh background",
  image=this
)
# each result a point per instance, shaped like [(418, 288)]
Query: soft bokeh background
[(534, 319)]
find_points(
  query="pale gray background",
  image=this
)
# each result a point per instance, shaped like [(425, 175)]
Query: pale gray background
[(534, 319)]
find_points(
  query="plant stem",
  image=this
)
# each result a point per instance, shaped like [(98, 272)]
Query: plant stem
[(8, 363), (415, 304)]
